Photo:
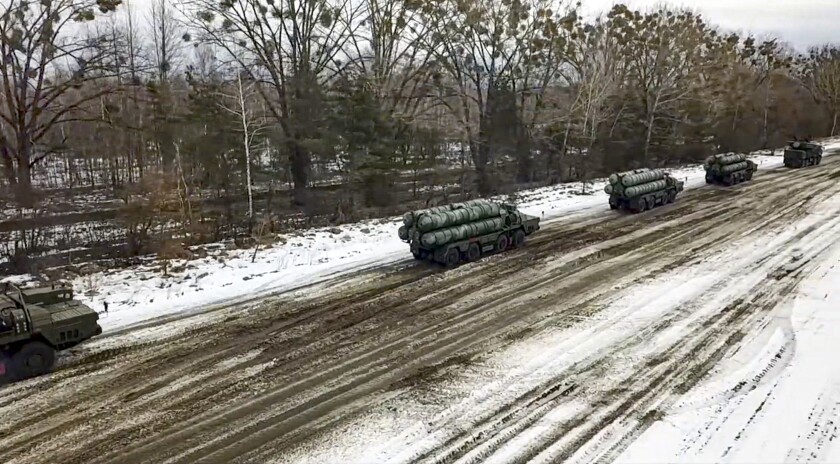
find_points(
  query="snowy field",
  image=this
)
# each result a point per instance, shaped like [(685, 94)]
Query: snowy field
[(143, 293)]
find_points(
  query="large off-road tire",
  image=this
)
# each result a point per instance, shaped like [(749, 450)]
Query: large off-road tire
[(672, 196), (502, 242), (819, 159), (635, 206), (473, 252), (33, 359), (518, 238), (453, 257)]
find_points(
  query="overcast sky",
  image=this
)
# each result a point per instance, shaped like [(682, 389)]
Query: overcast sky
[(802, 23)]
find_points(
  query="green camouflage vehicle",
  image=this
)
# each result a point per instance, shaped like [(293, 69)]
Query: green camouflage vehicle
[(37, 322), (801, 153), (729, 169), (642, 189), (465, 231)]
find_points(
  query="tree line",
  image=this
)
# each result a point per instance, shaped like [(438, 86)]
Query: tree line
[(216, 115)]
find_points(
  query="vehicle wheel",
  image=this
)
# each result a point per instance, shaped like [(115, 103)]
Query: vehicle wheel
[(749, 175), (473, 252), (819, 160), (417, 255), (518, 238), (33, 359), (709, 179), (728, 181), (613, 206), (672, 195), (502, 242), (452, 257)]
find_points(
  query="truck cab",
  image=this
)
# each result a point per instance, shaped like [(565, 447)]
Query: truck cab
[(35, 323)]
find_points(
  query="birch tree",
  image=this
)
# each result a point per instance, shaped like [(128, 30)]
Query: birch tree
[(251, 124)]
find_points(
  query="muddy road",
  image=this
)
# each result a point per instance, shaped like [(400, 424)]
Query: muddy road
[(284, 378)]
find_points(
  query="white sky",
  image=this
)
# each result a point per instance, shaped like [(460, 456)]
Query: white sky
[(802, 23)]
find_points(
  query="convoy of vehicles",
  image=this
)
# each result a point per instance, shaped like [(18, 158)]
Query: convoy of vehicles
[(454, 233), (35, 323)]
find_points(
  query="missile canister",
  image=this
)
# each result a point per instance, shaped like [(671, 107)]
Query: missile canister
[(726, 169), (410, 217), (648, 187), (616, 177), (466, 214), (642, 177), (461, 232)]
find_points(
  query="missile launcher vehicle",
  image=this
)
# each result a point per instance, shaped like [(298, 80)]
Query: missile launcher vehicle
[(801, 153), (728, 169), (465, 231), (642, 189), (35, 323)]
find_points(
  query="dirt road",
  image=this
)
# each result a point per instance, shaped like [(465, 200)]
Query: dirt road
[(291, 377)]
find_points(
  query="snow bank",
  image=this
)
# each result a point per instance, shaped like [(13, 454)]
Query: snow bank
[(142, 293)]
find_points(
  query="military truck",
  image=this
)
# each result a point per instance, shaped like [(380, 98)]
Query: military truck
[(801, 153), (465, 231), (642, 189), (35, 323), (728, 169)]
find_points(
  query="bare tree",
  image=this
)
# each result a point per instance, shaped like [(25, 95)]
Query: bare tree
[(823, 79), (486, 47), (293, 47), (45, 72), (666, 51), (166, 39)]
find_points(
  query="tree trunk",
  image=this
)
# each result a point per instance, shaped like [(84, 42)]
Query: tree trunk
[(834, 123), (300, 164), (648, 138)]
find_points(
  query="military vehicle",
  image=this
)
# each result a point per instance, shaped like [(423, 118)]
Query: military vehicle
[(728, 169), (642, 189), (465, 231), (37, 322), (801, 153)]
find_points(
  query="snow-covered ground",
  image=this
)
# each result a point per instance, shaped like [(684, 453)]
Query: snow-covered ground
[(777, 400), (142, 293)]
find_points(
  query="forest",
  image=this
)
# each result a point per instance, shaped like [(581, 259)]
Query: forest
[(130, 128)]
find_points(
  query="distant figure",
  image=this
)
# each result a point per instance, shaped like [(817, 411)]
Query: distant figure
[(105, 304)]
